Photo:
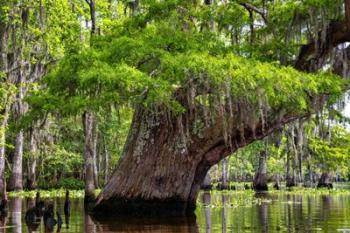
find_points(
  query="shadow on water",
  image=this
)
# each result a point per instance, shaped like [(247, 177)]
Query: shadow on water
[(144, 225), (23, 216)]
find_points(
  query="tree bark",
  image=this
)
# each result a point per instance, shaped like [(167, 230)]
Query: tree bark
[(165, 161), (16, 178), (260, 179), (89, 156), (90, 130)]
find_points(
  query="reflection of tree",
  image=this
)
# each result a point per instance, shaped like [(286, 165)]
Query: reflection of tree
[(310, 204), (150, 225), (224, 213), (3, 218), (289, 215), (207, 201), (326, 211), (263, 217), (15, 207), (298, 209), (32, 226)]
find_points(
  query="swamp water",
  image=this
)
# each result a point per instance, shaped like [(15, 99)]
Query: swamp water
[(216, 212)]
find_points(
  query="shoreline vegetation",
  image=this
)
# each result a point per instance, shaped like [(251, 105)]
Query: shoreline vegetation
[(238, 190)]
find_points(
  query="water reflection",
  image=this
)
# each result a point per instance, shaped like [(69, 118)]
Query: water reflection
[(276, 213), (224, 213), (15, 206), (144, 225), (219, 213), (206, 201)]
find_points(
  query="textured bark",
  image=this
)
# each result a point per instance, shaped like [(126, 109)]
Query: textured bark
[(89, 156), (260, 179), (165, 161)]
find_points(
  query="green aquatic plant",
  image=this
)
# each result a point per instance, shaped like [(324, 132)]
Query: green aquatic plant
[(50, 193)]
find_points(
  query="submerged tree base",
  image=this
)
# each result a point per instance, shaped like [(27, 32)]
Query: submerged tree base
[(139, 207), (325, 181)]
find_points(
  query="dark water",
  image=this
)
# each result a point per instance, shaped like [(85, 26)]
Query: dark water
[(219, 212)]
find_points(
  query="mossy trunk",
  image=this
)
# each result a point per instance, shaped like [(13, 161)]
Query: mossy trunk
[(167, 156)]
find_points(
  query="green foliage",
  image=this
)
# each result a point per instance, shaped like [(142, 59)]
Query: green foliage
[(48, 193), (70, 183), (332, 154), (149, 65)]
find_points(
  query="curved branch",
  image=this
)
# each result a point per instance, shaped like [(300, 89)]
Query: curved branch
[(313, 55), (251, 7)]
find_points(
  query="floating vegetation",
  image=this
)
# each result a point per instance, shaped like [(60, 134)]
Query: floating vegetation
[(50, 193)]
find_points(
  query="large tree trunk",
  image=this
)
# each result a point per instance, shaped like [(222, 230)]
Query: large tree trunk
[(260, 179), (165, 160)]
